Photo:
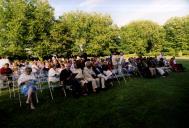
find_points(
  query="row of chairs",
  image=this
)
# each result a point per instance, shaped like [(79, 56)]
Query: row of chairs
[(14, 89)]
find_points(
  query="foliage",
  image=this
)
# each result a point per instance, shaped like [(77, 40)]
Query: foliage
[(29, 28), (24, 24), (11, 19), (92, 33), (177, 33), (142, 37)]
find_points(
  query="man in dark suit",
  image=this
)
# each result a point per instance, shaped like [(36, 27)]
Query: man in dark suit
[(67, 78)]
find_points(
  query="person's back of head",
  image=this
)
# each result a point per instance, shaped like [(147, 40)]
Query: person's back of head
[(28, 70), (6, 65), (88, 64)]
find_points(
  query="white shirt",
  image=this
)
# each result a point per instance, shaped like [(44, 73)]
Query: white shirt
[(159, 57), (53, 75), (114, 60), (174, 62), (87, 72), (121, 59), (34, 68), (24, 78)]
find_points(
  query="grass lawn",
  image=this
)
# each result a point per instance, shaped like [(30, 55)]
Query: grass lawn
[(140, 103)]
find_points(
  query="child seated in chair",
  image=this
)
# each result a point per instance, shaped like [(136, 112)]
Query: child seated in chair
[(27, 82)]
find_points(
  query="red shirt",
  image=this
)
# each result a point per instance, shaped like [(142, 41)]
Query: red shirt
[(5, 71)]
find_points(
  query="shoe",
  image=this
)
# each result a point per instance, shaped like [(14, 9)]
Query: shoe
[(27, 101), (104, 89), (85, 94), (32, 107)]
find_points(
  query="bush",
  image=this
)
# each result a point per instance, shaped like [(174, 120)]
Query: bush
[(185, 52), (171, 52)]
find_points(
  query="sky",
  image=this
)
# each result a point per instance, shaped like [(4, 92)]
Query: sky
[(126, 11)]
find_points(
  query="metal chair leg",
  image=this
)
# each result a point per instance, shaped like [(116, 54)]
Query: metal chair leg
[(37, 100), (50, 89), (124, 78), (19, 98), (13, 88), (10, 94), (117, 78), (64, 91)]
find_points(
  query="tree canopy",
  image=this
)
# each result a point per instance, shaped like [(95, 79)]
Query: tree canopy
[(142, 37), (177, 34), (29, 27)]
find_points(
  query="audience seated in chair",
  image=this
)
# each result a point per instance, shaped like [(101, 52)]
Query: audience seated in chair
[(90, 76), (97, 68), (53, 74), (6, 73), (80, 77), (175, 67), (27, 82), (67, 78)]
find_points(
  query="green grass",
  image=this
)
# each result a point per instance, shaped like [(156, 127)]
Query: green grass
[(140, 103)]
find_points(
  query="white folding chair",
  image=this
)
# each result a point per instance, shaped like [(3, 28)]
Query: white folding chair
[(19, 96), (53, 85), (1, 85), (41, 81), (114, 75)]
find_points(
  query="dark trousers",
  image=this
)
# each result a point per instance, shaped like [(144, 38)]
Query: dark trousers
[(75, 85)]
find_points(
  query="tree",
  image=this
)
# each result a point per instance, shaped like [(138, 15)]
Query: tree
[(12, 17), (92, 33), (177, 33), (25, 24), (142, 37), (29, 25), (40, 18)]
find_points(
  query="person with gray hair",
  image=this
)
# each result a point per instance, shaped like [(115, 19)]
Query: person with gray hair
[(27, 82), (89, 76)]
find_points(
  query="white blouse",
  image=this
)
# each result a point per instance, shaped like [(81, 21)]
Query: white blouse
[(53, 75), (24, 78)]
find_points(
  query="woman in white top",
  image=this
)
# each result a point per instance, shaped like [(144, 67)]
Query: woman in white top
[(80, 77), (27, 82), (53, 75), (35, 68), (88, 75)]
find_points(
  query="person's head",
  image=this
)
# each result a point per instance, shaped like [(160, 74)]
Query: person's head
[(14, 64), (27, 63), (88, 64), (54, 66), (28, 70), (161, 59), (67, 66), (6, 65), (62, 66), (78, 64)]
